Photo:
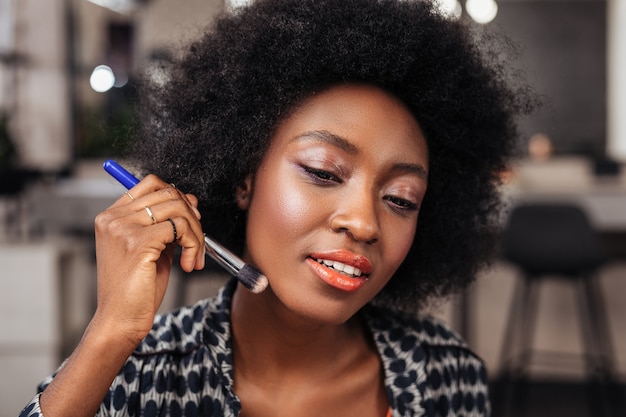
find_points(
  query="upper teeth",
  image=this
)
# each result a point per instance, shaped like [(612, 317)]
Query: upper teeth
[(341, 267)]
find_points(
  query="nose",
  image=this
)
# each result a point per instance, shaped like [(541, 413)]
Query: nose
[(357, 217)]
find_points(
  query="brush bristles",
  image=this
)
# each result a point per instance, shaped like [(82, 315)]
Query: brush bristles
[(252, 279)]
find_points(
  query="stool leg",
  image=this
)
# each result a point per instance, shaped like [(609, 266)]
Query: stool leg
[(514, 317), (529, 321), (615, 394), (604, 360), (521, 378), (520, 332), (600, 327), (597, 353), (507, 357)]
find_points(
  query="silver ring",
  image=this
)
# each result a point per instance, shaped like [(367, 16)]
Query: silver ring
[(150, 214), (169, 219), (129, 195)]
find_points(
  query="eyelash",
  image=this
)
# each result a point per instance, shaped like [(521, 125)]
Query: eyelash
[(326, 178), (402, 204), (321, 176)]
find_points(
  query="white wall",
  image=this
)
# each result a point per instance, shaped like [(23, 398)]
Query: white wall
[(6, 47), (42, 119), (29, 324), (616, 94)]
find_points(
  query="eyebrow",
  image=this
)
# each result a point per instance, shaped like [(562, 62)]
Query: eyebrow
[(345, 145), (330, 138)]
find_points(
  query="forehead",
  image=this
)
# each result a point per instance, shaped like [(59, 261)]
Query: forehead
[(362, 114), (348, 95)]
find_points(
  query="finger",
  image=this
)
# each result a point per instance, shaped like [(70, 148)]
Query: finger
[(200, 256), (162, 203), (185, 229), (129, 195), (152, 184), (147, 185), (161, 209), (127, 198), (162, 235), (168, 193), (193, 202), (149, 212), (175, 234), (181, 232)]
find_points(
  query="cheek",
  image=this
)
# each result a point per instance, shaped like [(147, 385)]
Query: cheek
[(279, 213), (285, 212), (399, 245)]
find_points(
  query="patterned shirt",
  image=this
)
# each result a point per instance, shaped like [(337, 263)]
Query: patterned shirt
[(184, 367)]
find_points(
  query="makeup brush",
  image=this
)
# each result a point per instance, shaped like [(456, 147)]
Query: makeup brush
[(249, 276)]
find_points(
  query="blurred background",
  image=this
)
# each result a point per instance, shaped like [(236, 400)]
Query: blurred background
[(67, 70)]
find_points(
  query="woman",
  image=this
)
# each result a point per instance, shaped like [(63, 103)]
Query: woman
[(311, 135)]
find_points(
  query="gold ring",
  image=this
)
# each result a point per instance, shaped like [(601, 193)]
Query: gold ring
[(128, 194), (150, 214)]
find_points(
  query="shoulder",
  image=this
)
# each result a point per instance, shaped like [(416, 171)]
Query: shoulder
[(428, 366), (422, 339), (407, 331)]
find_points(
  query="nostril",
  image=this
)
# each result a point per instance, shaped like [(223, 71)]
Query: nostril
[(359, 228), (357, 238)]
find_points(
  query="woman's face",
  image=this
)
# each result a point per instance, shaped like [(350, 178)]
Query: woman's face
[(333, 208)]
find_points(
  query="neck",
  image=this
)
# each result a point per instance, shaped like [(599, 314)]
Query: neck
[(270, 340)]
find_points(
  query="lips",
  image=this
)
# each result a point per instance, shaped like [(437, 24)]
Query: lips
[(341, 269)]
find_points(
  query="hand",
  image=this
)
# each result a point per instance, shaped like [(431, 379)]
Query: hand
[(134, 256), (135, 249)]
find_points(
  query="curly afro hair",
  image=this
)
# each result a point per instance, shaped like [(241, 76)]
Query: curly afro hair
[(210, 124)]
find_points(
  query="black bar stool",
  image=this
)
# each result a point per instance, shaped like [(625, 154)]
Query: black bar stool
[(554, 241)]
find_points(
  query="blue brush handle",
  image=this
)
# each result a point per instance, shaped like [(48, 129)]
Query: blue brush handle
[(125, 178)]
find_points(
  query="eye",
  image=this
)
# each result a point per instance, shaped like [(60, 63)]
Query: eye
[(320, 176), (401, 205)]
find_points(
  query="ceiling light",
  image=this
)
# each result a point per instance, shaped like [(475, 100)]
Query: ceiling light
[(482, 11)]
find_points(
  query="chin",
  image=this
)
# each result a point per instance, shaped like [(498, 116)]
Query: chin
[(331, 310)]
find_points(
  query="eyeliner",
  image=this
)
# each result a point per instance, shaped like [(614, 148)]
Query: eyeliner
[(249, 276)]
